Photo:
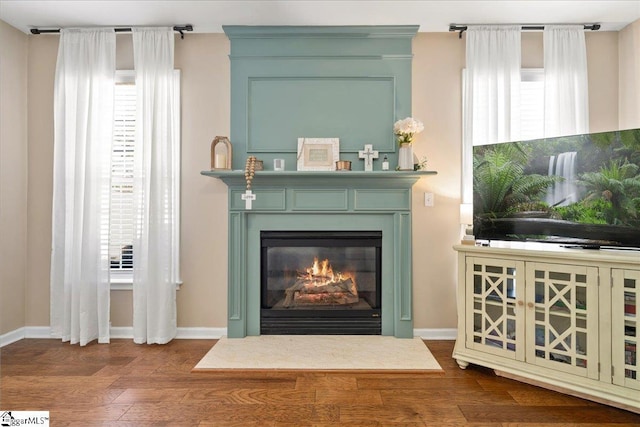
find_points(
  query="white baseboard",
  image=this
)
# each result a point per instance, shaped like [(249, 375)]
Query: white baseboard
[(116, 332), (25, 332), (38, 332), (197, 333), (436, 334), (124, 332), (11, 337)]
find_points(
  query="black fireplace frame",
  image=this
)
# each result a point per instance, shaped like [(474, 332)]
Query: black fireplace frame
[(320, 321)]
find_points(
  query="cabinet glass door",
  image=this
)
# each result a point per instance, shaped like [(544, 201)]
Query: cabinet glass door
[(626, 366), (493, 313), (562, 317)]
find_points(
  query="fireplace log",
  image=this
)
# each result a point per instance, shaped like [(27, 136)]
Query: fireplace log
[(303, 292), (315, 277), (335, 298)]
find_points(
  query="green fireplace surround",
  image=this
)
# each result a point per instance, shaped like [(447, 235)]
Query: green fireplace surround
[(346, 82), (316, 201)]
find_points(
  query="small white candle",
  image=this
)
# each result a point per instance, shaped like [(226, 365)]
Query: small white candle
[(221, 161)]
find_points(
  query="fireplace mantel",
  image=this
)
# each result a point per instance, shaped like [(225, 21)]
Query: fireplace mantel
[(380, 179), (320, 201)]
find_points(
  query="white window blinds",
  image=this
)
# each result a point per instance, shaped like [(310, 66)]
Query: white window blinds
[(531, 103), (122, 157)]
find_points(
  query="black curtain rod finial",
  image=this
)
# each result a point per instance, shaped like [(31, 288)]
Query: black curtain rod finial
[(38, 31), (182, 29), (461, 28)]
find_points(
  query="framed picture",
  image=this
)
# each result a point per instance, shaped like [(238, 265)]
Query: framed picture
[(318, 154)]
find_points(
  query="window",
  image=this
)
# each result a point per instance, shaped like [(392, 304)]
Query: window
[(531, 103), (121, 215), (122, 156)]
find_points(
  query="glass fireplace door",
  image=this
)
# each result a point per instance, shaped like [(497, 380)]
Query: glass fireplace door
[(320, 282)]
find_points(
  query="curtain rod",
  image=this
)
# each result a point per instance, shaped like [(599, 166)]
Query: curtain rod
[(463, 28), (179, 28)]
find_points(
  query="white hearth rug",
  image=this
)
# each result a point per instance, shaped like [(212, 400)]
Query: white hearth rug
[(320, 353)]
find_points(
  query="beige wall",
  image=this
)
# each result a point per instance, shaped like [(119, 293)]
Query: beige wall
[(602, 69), (436, 94), (13, 177), (629, 84), (203, 60), (41, 72)]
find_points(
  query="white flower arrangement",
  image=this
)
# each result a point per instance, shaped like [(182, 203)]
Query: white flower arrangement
[(406, 128)]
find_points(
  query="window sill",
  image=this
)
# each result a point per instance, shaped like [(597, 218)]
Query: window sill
[(126, 284)]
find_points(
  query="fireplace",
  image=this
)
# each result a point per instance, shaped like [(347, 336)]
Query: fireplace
[(372, 87), (349, 203), (320, 282)]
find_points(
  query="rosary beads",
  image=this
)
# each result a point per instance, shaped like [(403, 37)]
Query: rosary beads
[(250, 170)]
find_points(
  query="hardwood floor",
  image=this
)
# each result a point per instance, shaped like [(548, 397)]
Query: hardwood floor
[(123, 384)]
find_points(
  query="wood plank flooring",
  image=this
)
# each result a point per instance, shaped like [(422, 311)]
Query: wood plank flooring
[(123, 384)]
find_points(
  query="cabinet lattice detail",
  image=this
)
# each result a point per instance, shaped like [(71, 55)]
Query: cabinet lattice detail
[(493, 298), (564, 299)]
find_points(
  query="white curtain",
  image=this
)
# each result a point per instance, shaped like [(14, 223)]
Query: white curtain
[(156, 192), (83, 129), (566, 101), (491, 100)]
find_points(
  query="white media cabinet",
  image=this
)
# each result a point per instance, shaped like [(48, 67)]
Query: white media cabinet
[(564, 319)]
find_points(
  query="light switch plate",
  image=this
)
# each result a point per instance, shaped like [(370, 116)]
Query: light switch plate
[(428, 199)]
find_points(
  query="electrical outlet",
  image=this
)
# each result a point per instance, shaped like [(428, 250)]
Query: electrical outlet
[(428, 199)]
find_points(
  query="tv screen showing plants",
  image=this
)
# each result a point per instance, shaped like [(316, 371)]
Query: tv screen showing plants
[(579, 189)]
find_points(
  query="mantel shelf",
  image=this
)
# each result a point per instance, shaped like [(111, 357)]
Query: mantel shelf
[(379, 179)]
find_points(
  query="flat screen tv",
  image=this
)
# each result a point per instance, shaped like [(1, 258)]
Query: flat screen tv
[(579, 190)]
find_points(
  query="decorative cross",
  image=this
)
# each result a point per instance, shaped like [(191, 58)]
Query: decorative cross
[(248, 197), (368, 154)]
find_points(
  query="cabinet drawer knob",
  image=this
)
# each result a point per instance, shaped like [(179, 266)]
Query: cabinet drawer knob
[(520, 303), (530, 304)]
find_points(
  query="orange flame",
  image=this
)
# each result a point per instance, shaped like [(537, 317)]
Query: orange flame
[(320, 269), (321, 274)]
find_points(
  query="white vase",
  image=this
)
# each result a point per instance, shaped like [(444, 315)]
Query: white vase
[(405, 157)]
